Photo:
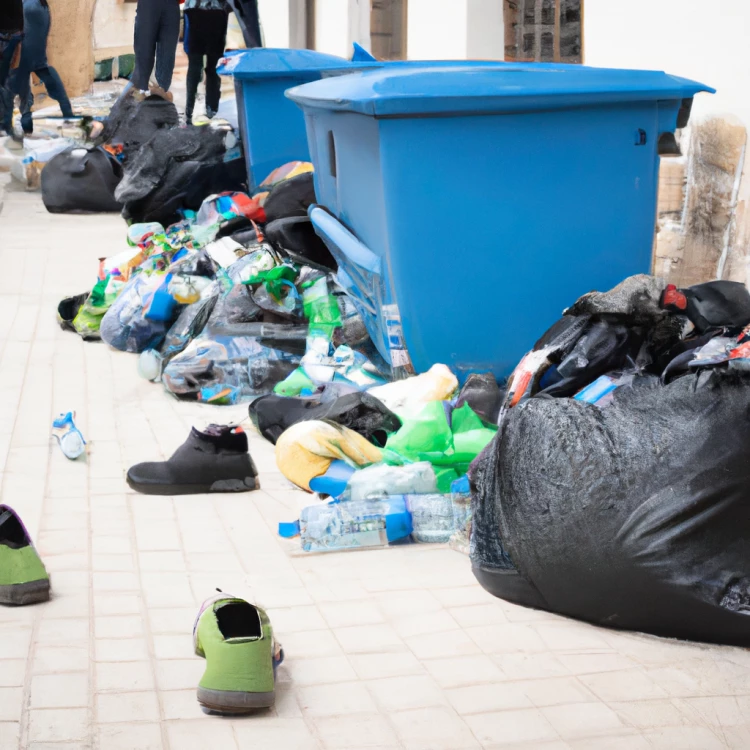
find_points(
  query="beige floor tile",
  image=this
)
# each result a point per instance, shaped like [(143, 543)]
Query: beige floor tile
[(120, 649), (11, 700), (124, 677), (555, 691), (484, 699), (464, 670), (174, 645), (368, 639), (327, 669), (270, 732), (60, 691), (684, 738), (349, 614), (424, 623), (433, 729), (172, 620), (118, 627), (332, 700), (527, 725), (580, 720), (442, 645), (112, 708), (130, 736), (346, 732), (376, 666), (10, 733), (630, 684), (58, 725), (202, 734), (404, 693), (649, 714), (180, 704), (179, 674), (12, 673)]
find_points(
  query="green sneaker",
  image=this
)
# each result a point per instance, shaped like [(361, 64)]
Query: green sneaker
[(23, 578), (236, 639)]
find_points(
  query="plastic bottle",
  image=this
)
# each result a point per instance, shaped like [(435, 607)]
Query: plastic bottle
[(352, 525), (432, 518), (381, 480)]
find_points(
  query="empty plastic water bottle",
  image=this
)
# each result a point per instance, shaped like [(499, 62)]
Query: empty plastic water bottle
[(68, 436), (350, 525)]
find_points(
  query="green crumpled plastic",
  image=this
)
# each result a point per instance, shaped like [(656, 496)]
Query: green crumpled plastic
[(449, 447), (275, 279)]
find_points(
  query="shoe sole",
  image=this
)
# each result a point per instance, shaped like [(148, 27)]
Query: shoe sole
[(232, 703), (249, 484), (20, 594)]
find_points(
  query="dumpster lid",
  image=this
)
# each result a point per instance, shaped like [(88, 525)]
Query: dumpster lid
[(403, 90), (274, 63)]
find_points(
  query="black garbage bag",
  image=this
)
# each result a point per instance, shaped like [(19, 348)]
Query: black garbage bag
[(291, 197), (132, 124), (603, 347), (273, 414), (177, 169), (716, 304), (81, 181), (636, 516), (296, 237), (483, 395)]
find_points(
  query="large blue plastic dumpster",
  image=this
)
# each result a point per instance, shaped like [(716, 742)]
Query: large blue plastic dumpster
[(272, 128), (475, 202)]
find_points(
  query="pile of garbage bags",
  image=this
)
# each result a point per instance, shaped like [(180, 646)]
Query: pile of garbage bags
[(218, 312), (617, 489), (143, 163)]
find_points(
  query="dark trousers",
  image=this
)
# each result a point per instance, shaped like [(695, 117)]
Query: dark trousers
[(157, 30), (55, 89), (213, 83)]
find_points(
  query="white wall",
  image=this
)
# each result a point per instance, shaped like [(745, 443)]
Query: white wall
[(485, 31), (332, 27), (113, 27), (436, 30), (274, 18), (699, 39)]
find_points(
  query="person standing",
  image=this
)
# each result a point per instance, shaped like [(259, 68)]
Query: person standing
[(157, 31), (205, 39), (36, 22), (11, 34)]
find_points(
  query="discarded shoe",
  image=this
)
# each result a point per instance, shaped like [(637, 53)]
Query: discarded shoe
[(23, 578), (216, 460), (159, 91), (68, 309), (69, 436), (236, 639)]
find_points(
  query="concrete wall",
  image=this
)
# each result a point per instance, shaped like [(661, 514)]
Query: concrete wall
[(705, 41), (455, 30), (70, 44), (113, 28)]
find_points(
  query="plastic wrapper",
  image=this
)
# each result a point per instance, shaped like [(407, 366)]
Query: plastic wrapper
[(231, 369), (382, 480), (89, 318), (127, 325)]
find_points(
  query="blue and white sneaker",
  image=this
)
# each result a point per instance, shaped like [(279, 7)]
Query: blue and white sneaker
[(69, 436)]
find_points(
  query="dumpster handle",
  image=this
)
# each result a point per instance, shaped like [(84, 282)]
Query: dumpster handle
[(343, 240)]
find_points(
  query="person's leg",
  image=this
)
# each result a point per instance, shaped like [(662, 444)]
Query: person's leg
[(195, 66), (21, 85), (56, 89), (169, 35), (213, 85), (144, 41)]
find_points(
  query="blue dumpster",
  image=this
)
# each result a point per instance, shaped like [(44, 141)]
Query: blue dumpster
[(467, 205), (272, 128)]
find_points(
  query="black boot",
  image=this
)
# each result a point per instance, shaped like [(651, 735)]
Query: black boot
[(216, 460)]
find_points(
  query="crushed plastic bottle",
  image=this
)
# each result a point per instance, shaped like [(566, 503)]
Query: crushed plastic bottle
[(68, 436), (432, 518), (354, 525), (381, 480), (461, 501)]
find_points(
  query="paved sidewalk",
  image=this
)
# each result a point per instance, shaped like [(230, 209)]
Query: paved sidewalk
[(397, 648)]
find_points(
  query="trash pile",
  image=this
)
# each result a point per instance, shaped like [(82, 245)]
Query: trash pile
[(617, 489), (389, 464)]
